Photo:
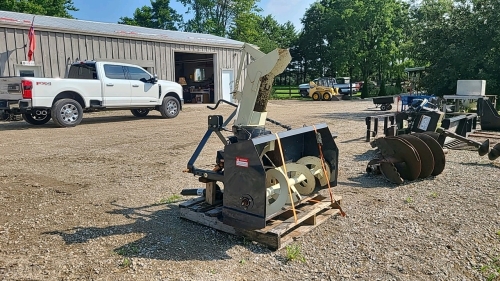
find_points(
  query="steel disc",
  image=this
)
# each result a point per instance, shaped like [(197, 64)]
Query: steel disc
[(314, 163), (425, 154), (390, 172), (404, 156), (305, 187), (437, 151), (279, 198)]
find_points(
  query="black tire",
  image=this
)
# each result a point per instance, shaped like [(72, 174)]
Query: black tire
[(140, 112), (327, 96), (304, 93), (67, 113), (316, 96), (35, 119), (389, 106), (382, 107), (170, 107)]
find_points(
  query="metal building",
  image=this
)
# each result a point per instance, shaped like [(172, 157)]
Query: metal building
[(206, 64)]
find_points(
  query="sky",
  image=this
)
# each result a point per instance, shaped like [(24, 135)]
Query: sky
[(112, 10)]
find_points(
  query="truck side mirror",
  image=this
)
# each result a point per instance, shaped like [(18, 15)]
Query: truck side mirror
[(154, 79)]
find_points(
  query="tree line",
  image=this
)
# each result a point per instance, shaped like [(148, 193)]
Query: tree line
[(364, 39)]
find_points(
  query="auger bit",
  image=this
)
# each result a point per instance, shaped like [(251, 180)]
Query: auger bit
[(399, 159)]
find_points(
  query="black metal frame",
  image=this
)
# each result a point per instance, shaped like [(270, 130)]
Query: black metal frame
[(209, 174)]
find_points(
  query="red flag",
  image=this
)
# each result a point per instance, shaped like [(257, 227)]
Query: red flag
[(31, 37)]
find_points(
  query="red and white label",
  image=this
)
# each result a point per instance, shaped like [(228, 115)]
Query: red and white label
[(242, 162)]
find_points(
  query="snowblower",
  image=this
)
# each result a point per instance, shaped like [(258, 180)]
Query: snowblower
[(261, 174)]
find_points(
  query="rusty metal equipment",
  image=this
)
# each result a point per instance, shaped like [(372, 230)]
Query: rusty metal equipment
[(263, 173), (416, 151)]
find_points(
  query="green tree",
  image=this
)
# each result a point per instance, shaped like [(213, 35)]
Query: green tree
[(159, 15), (457, 40), (354, 36), (312, 44), (56, 8), (216, 17), (264, 32)]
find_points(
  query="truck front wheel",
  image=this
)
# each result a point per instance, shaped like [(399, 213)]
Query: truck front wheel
[(38, 117), (170, 107), (67, 113)]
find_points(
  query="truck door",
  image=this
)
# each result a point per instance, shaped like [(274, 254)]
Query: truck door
[(144, 91), (116, 87)]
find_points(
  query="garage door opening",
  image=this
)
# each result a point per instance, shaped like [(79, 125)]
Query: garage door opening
[(195, 72)]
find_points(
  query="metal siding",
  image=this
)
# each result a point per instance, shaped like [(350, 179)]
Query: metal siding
[(21, 51), (102, 47), (126, 44), (138, 50), (163, 62), (144, 50), (149, 50), (121, 49), (95, 47), (75, 49), (109, 48), (68, 52), (114, 48), (61, 58), (4, 68), (11, 50), (89, 50), (82, 54), (82, 47), (53, 54), (170, 62), (45, 53), (157, 58), (133, 49)]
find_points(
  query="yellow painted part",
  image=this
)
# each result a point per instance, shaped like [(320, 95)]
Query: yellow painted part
[(322, 90)]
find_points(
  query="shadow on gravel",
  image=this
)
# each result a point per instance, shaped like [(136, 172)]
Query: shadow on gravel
[(361, 139), (491, 164), (354, 116), (166, 235), (22, 125), (368, 155)]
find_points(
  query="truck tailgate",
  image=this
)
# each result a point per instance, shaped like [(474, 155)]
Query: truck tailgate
[(10, 88)]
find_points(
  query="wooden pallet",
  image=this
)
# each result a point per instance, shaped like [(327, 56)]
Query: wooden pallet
[(279, 231)]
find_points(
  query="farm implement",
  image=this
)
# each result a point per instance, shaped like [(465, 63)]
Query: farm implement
[(417, 150), (264, 185)]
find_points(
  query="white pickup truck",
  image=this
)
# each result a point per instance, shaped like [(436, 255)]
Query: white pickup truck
[(89, 86)]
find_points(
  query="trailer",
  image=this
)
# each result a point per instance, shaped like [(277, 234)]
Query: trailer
[(385, 103)]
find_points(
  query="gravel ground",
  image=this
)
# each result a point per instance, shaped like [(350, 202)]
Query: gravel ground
[(95, 202)]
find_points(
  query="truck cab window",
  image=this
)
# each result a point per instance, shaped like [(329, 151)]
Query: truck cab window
[(82, 71), (114, 71), (138, 74)]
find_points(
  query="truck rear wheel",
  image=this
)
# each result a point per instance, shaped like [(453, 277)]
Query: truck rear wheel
[(37, 117), (140, 112), (170, 107), (67, 113)]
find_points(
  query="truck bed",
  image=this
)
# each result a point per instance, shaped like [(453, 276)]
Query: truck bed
[(10, 88)]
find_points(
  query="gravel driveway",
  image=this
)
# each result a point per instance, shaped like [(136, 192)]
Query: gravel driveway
[(100, 202)]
